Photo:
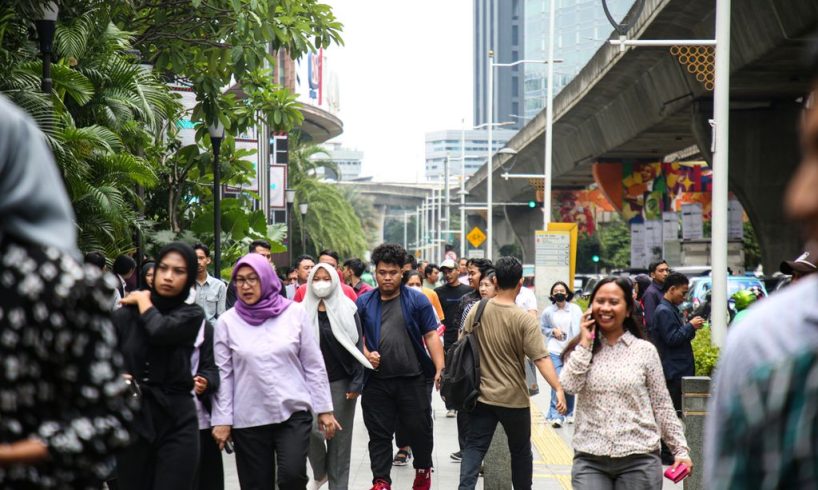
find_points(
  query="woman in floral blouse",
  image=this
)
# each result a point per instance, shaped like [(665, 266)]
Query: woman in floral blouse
[(623, 406)]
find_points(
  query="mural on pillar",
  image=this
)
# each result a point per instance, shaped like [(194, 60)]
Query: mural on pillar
[(580, 207), (648, 189)]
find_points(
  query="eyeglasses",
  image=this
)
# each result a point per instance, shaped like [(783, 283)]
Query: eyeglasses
[(249, 281)]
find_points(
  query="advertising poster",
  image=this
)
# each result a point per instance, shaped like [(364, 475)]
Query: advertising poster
[(653, 241), (638, 245), (692, 221), (735, 215)]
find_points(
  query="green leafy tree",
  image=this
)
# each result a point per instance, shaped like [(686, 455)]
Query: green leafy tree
[(103, 111), (615, 244), (331, 221)]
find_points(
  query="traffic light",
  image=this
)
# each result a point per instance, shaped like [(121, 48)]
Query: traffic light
[(595, 258), (532, 204)]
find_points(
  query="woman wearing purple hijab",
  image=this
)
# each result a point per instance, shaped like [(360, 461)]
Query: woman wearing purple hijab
[(272, 380)]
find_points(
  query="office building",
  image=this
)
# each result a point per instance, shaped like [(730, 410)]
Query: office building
[(347, 160), (581, 28), (498, 26), (440, 144)]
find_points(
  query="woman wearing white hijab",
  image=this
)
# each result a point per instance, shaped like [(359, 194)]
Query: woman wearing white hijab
[(338, 328)]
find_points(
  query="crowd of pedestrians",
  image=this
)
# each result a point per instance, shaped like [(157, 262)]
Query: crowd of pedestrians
[(139, 378)]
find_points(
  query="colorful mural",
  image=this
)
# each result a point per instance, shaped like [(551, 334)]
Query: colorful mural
[(648, 189), (580, 207)]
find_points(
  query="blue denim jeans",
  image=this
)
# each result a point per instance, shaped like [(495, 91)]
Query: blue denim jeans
[(553, 414)]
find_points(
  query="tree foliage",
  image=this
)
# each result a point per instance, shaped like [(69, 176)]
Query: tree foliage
[(112, 124), (331, 221)]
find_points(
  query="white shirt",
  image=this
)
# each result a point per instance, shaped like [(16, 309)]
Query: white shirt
[(526, 299)]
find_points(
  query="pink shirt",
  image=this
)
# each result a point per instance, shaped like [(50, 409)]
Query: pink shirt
[(268, 372)]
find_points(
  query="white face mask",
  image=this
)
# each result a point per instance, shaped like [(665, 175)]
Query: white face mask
[(321, 288), (416, 288)]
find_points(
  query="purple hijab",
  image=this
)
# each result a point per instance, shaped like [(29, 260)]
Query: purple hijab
[(271, 304)]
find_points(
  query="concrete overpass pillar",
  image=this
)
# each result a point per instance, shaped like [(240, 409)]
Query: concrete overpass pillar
[(380, 213), (764, 152)]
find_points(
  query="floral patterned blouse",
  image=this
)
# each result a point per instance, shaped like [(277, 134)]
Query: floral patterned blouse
[(623, 406), (60, 373)]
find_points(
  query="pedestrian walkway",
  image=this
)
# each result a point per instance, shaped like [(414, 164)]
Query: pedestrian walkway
[(551, 448)]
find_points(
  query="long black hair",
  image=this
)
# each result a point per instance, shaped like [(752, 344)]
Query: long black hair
[(629, 324)]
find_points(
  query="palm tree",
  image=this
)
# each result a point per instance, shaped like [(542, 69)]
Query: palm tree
[(331, 221), (104, 113)]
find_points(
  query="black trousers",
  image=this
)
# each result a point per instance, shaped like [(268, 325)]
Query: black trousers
[(446, 348), (259, 450), (462, 428), (401, 434), (384, 402), (211, 469), (483, 421), (674, 387), (171, 460)]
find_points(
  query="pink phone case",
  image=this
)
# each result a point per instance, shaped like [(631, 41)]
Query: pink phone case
[(680, 473)]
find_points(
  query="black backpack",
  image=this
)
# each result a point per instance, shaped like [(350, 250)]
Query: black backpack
[(460, 380)]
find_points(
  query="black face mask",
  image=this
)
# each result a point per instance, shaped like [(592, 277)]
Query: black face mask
[(558, 298)]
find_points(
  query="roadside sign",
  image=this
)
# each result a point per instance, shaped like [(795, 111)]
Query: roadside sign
[(476, 237)]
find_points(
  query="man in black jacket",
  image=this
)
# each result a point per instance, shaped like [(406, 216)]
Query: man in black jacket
[(450, 294), (672, 337)]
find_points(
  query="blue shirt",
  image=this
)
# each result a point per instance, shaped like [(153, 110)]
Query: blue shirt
[(418, 316)]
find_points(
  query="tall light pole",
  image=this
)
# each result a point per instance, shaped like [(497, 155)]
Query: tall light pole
[(417, 229), (489, 166), (405, 226), (303, 207), (447, 199), (721, 140), (46, 25), (463, 189), (549, 119), (489, 163), (216, 130), (290, 193)]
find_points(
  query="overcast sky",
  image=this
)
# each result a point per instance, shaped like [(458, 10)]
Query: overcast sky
[(405, 69)]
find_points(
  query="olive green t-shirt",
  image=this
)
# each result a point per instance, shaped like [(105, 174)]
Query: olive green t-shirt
[(507, 336)]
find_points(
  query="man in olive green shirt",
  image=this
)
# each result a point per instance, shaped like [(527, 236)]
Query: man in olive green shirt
[(507, 335)]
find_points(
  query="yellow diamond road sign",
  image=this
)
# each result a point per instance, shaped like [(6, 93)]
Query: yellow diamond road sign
[(476, 237)]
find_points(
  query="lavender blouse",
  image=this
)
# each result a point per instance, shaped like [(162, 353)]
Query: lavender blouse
[(269, 371)]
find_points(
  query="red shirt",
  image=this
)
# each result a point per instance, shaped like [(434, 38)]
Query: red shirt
[(302, 291)]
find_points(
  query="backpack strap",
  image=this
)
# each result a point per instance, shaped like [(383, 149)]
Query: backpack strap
[(479, 315)]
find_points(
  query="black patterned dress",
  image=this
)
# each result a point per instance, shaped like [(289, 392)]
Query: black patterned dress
[(60, 373)]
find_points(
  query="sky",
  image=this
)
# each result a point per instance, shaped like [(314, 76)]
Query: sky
[(405, 69)]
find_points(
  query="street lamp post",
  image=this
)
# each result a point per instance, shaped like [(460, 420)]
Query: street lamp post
[(290, 200), (447, 200), (417, 229), (46, 25), (303, 208), (216, 130), (405, 226), (549, 119), (489, 163)]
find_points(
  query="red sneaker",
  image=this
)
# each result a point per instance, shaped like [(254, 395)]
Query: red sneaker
[(423, 479), (381, 485)]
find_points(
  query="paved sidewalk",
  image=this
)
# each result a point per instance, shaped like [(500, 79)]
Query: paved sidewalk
[(551, 448)]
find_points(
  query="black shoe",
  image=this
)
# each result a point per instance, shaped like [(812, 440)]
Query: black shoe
[(457, 457)]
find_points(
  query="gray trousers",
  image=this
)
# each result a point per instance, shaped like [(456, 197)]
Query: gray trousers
[(634, 472), (331, 458)]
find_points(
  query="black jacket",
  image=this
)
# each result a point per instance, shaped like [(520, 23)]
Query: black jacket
[(672, 337), (156, 350)]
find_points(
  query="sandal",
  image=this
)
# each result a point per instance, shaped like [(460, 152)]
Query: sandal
[(402, 457)]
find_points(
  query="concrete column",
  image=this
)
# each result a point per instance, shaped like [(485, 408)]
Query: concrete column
[(764, 152), (695, 392), (497, 463)]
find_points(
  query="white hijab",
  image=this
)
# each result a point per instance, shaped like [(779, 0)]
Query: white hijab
[(340, 310)]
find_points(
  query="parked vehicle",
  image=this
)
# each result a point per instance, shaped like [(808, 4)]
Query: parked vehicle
[(698, 296)]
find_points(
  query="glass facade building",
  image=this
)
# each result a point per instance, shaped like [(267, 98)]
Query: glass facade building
[(581, 28), (440, 144)]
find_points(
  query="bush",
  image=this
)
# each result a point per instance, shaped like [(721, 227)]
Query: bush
[(705, 353)]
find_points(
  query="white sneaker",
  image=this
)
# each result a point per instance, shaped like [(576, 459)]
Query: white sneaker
[(317, 484), (556, 423), (451, 414), (569, 419)]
